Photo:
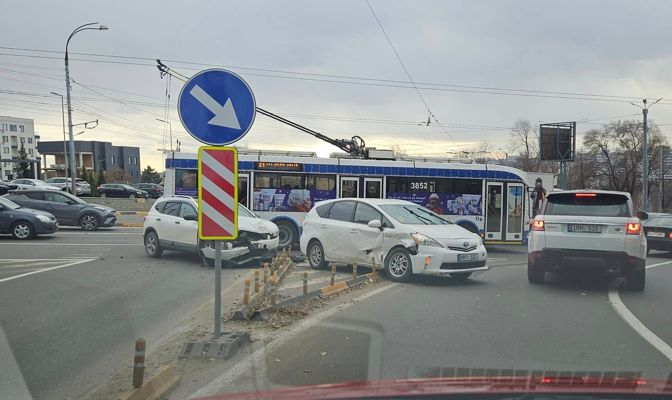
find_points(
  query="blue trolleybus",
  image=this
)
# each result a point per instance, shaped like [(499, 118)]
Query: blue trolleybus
[(282, 187)]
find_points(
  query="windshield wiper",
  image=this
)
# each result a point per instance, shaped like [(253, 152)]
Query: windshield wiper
[(420, 217), (443, 221)]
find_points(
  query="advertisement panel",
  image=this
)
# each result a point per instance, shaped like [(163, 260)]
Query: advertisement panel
[(296, 200), (186, 182), (444, 203)]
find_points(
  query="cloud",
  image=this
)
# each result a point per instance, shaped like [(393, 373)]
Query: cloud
[(603, 47)]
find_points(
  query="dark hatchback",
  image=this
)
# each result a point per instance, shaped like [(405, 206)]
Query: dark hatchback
[(24, 223), (121, 190), (658, 230), (155, 190), (5, 187), (69, 210)]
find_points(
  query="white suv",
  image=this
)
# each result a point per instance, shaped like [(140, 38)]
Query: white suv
[(588, 230), (172, 223)]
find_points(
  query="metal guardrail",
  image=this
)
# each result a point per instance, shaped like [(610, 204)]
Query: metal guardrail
[(122, 204)]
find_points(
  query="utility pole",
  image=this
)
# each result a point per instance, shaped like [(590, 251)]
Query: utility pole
[(645, 154), (645, 161), (662, 180), (65, 150)]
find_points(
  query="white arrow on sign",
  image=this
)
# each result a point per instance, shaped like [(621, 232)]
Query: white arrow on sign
[(225, 116)]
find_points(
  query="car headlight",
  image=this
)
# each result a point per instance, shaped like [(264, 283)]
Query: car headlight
[(424, 240), (43, 218)]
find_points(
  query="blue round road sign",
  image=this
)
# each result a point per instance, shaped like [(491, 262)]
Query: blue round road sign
[(216, 107)]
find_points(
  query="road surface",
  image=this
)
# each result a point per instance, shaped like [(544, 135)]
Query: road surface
[(496, 323)]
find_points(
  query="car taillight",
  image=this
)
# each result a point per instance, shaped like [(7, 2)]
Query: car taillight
[(633, 229), (538, 225), (670, 235), (585, 194)]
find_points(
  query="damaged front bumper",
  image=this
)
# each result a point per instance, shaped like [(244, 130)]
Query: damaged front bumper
[(239, 253), (431, 260)]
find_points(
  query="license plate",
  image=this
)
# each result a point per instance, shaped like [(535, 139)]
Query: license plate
[(656, 234), (584, 228), (467, 257)]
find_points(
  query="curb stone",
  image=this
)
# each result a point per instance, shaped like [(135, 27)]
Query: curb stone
[(323, 293), (246, 311)]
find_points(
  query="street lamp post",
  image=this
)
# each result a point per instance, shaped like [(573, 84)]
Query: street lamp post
[(170, 129), (65, 150), (73, 165)]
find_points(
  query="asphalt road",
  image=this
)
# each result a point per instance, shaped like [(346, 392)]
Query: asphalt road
[(498, 321), (73, 304)]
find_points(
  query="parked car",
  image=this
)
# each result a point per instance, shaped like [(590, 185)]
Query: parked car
[(155, 190), (593, 230), (82, 187), (401, 237), (658, 230), (24, 223), (69, 210), (6, 187), (25, 183), (120, 190), (172, 223)]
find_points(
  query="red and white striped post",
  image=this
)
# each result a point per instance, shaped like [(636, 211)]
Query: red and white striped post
[(218, 207)]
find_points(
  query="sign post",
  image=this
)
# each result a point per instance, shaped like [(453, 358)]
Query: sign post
[(217, 207), (217, 107)]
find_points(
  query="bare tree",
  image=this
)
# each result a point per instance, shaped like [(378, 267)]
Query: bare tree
[(525, 141), (480, 152), (617, 150)]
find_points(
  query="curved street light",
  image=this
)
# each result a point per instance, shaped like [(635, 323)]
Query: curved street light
[(89, 26)]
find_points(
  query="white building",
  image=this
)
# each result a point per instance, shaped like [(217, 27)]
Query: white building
[(13, 133)]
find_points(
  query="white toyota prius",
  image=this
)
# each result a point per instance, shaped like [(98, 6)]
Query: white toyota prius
[(400, 236)]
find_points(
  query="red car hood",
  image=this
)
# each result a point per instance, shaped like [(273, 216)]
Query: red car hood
[(461, 386)]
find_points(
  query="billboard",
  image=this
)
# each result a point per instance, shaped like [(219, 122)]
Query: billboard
[(557, 141)]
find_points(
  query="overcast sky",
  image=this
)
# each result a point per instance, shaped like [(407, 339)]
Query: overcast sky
[(304, 60)]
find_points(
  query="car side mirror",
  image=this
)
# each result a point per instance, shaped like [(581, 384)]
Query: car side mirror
[(190, 217), (376, 224), (642, 215)]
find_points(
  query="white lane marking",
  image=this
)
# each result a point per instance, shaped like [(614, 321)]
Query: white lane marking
[(46, 269), (637, 325), (658, 264), (29, 264), (99, 233), (72, 244), (624, 312), (257, 357), (496, 259)]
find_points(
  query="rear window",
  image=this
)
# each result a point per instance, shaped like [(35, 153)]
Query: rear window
[(342, 211), (659, 222), (323, 210), (588, 204), (159, 206), (171, 208)]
